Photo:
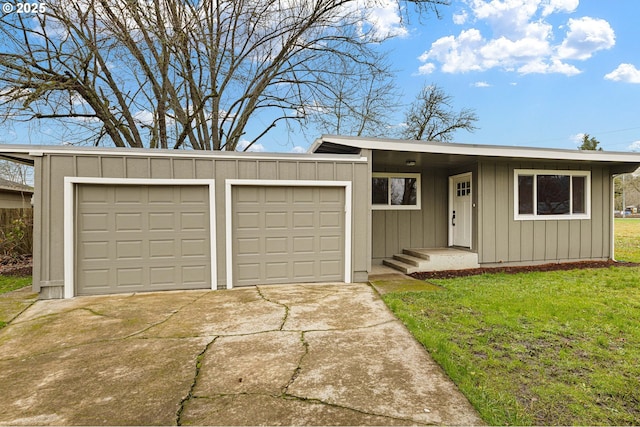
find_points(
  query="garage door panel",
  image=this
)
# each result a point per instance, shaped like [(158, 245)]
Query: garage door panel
[(289, 234), (330, 244), (276, 245), (330, 267), (275, 220), (194, 274), (275, 195), (248, 220), (194, 247), (161, 221), (194, 221), (128, 222), (95, 250), (191, 195), (302, 196), (129, 194), (160, 194), (248, 246), (154, 243), (328, 196), (304, 270), (99, 195), (128, 277), (276, 271), (330, 219), (161, 248), (94, 222), (162, 275), (129, 250), (303, 220)]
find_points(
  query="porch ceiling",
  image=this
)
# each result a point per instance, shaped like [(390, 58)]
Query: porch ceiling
[(399, 159)]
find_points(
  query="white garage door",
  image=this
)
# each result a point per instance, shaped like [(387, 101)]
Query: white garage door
[(132, 238), (287, 234)]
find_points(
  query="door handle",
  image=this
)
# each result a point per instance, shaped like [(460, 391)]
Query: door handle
[(453, 219)]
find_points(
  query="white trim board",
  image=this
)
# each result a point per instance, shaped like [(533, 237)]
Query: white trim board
[(229, 183), (69, 219)]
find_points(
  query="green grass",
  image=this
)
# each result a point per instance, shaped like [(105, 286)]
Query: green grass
[(627, 239), (536, 348), (554, 348), (11, 283)]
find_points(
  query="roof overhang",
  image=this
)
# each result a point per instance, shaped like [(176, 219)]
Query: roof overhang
[(452, 154), (27, 153)]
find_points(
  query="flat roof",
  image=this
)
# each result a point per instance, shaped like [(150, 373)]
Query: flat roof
[(337, 144), (25, 153)]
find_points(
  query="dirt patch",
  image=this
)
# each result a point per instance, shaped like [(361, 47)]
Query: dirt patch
[(521, 269), (17, 265)]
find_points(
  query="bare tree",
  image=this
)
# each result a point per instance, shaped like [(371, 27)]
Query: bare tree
[(16, 172), (183, 73), (432, 117), (357, 104)]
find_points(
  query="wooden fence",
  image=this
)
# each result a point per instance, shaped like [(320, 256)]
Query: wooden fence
[(16, 231)]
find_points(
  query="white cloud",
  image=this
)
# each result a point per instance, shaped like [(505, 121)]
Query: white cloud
[(577, 138), (559, 6), (255, 148), (427, 68), (553, 67), (634, 146), (385, 18), (585, 37), (522, 40), (481, 84), (460, 18), (298, 149), (144, 117), (626, 73), (380, 18)]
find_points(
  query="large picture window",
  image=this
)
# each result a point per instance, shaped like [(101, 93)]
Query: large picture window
[(395, 191), (551, 194)]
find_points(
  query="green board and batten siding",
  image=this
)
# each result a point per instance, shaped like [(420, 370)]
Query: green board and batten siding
[(394, 230), (51, 168), (496, 236), (505, 240)]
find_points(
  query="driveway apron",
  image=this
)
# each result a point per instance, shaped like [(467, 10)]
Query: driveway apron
[(305, 354)]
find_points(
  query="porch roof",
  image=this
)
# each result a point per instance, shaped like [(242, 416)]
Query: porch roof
[(398, 152)]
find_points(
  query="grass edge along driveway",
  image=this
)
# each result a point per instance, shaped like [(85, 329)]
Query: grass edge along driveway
[(553, 348)]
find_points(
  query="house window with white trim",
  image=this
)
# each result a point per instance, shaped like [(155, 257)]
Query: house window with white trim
[(551, 194), (395, 191)]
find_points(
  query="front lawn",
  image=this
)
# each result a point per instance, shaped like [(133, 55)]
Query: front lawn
[(11, 283), (554, 348), (627, 239)]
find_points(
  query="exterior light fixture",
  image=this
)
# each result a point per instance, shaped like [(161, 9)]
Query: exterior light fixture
[(410, 162)]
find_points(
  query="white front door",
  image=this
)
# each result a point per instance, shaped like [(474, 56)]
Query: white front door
[(460, 192)]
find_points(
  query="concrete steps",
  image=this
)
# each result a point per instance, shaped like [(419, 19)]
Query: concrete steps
[(432, 259)]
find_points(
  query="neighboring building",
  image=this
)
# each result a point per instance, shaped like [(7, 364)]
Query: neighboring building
[(113, 220), (14, 195)]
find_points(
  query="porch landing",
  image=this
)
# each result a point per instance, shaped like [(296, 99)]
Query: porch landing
[(432, 259)]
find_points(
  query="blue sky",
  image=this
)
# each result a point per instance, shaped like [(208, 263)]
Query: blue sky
[(537, 72)]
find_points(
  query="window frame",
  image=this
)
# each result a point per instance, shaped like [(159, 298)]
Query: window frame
[(535, 173), (389, 206)]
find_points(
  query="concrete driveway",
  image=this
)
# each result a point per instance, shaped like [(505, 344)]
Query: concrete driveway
[(326, 354)]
